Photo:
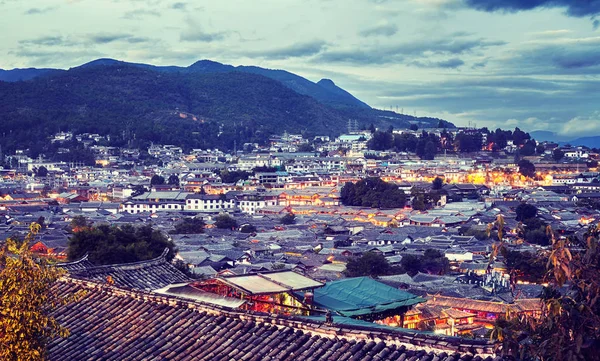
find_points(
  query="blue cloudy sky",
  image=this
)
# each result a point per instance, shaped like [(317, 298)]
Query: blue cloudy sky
[(497, 63)]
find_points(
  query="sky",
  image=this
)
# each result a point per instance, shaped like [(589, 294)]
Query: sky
[(534, 64)]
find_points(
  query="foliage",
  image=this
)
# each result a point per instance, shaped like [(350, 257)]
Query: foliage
[(525, 266), (468, 142), (225, 221), (289, 218), (41, 171), (437, 183), (78, 223), (27, 298), (247, 228), (528, 148), (189, 226), (526, 211), (569, 327), (119, 244), (432, 262), (374, 193), (234, 176), (305, 147), (424, 199), (557, 154), (526, 168), (381, 141), (414, 127), (369, 264), (173, 180), (157, 180)]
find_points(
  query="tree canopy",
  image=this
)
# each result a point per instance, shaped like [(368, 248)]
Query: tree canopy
[(369, 264), (225, 221), (374, 193), (119, 244), (189, 226), (27, 298)]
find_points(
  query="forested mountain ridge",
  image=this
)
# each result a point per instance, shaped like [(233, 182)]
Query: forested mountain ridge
[(193, 109)]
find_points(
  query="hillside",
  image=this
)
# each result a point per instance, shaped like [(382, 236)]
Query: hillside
[(205, 105), (149, 105)]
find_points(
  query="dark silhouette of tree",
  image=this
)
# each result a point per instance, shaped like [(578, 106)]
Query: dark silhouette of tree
[(157, 180), (189, 226), (557, 154), (414, 127), (173, 180), (247, 228), (374, 193), (289, 218), (119, 244), (526, 211), (369, 264), (526, 168), (225, 221), (41, 171), (437, 183)]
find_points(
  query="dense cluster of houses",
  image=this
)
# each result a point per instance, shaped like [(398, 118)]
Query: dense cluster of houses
[(297, 268)]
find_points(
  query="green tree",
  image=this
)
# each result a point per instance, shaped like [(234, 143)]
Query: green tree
[(305, 147), (369, 264), (289, 218), (119, 244), (247, 228), (437, 183), (78, 223), (414, 127), (27, 298), (157, 180), (189, 226), (173, 180), (432, 262), (526, 168), (225, 221), (41, 171), (557, 154), (526, 211)]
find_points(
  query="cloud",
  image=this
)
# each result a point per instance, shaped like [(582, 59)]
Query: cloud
[(106, 38), (582, 125), (45, 41), (179, 6), (380, 30), (139, 14), (447, 64), (596, 24), (408, 52), (197, 35), (577, 8), (297, 50), (37, 11)]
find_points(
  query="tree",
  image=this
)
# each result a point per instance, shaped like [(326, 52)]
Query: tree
[(437, 183), (381, 141), (189, 226), (528, 148), (369, 264), (432, 262), (526, 168), (372, 128), (441, 124), (79, 223), (41, 171), (374, 193), (525, 211), (414, 127), (173, 180), (119, 244), (157, 180), (540, 149), (225, 221), (247, 228), (430, 150), (557, 154), (569, 326), (27, 298), (289, 218), (305, 147)]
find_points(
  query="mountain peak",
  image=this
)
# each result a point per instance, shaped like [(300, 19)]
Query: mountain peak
[(326, 82), (206, 65), (101, 61)]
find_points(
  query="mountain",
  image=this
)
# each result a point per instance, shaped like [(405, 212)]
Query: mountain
[(325, 91), (590, 142), (25, 74), (207, 104)]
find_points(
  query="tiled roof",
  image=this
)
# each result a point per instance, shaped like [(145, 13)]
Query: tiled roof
[(115, 324), (146, 275)]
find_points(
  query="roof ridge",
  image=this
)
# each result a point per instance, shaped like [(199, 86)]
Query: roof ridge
[(411, 340), (150, 262)]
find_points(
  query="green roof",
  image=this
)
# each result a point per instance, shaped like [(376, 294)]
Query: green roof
[(362, 296)]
